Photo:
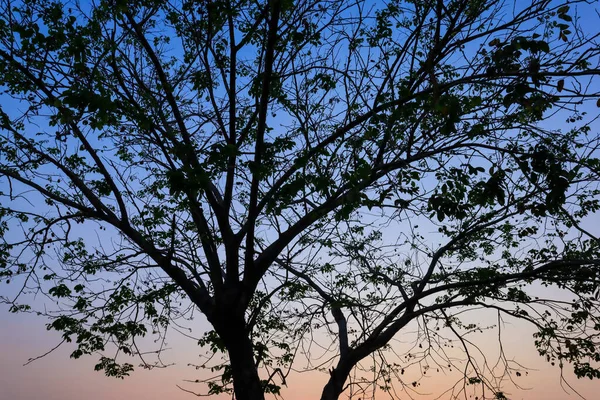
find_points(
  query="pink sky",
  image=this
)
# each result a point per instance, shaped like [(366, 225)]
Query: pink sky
[(56, 377)]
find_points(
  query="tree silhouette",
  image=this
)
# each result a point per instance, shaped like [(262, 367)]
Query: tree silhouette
[(303, 173)]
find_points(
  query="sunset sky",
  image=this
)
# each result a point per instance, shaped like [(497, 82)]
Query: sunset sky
[(56, 377)]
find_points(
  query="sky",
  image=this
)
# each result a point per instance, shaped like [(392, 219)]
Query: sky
[(57, 377)]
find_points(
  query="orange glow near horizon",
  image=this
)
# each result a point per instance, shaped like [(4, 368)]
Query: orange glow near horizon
[(56, 377)]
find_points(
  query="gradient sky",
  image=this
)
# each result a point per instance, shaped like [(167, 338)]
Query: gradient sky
[(56, 377)]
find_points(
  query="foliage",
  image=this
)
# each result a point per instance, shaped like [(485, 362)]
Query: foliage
[(318, 172)]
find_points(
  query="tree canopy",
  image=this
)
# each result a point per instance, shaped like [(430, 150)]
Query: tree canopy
[(303, 173)]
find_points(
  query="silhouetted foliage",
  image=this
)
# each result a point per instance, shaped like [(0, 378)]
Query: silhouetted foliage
[(303, 172)]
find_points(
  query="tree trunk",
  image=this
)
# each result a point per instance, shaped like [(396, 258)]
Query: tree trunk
[(246, 381), (335, 384)]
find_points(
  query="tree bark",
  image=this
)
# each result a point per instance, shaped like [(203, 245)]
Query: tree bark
[(246, 381), (335, 384)]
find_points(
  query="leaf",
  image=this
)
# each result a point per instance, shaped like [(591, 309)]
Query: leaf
[(544, 46), (560, 85), (598, 103), (563, 9), (565, 17), (501, 196)]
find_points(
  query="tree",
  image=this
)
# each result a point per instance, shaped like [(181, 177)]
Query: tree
[(280, 166)]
